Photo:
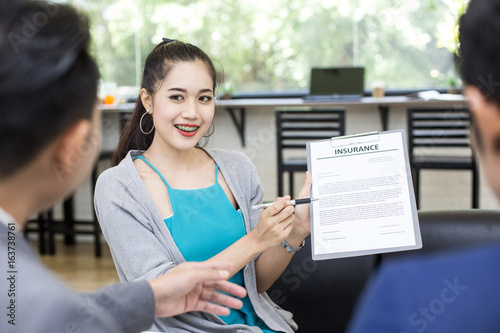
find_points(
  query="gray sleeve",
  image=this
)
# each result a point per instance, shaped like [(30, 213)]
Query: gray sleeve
[(43, 304), (137, 251), (119, 308), (257, 193), (131, 305), (243, 180)]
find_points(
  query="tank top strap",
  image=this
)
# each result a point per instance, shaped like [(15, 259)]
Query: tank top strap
[(155, 169), (216, 173)]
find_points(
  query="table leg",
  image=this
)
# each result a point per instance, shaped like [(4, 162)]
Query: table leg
[(384, 116), (69, 222), (240, 125)]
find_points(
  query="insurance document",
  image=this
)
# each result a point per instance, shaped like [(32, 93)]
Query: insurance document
[(366, 203)]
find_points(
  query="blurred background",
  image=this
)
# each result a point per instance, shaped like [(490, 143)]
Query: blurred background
[(266, 48), (269, 46)]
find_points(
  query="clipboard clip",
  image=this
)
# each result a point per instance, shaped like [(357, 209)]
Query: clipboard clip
[(357, 139)]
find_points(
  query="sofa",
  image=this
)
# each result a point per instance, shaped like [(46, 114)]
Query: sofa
[(323, 294)]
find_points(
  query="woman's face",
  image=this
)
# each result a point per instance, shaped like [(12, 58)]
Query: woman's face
[(183, 107)]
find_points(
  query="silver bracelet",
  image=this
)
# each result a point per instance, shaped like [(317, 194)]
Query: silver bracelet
[(290, 248)]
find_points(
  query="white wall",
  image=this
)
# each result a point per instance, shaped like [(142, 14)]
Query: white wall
[(439, 189)]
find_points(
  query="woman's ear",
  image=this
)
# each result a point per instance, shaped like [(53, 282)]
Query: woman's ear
[(147, 100)]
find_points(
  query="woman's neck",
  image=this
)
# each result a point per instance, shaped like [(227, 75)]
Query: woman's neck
[(183, 169), (172, 158)]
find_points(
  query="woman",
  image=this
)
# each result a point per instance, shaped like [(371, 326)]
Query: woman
[(169, 200), (49, 127)]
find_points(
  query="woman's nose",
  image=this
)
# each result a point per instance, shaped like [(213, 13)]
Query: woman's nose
[(190, 110)]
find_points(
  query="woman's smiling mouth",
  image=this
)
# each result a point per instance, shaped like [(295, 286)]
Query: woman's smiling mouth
[(187, 129)]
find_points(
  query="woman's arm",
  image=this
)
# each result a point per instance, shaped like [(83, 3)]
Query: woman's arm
[(272, 259), (274, 225)]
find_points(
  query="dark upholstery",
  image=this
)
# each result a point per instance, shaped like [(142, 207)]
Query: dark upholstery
[(449, 230), (322, 294)]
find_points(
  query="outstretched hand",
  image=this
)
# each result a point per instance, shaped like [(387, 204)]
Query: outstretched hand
[(196, 286)]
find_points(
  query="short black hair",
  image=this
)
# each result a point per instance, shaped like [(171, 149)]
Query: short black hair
[(48, 80), (479, 29)]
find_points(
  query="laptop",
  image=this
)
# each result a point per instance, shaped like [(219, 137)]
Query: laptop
[(336, 83)]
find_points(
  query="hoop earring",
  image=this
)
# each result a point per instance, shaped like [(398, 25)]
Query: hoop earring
[(140, 125), (213, 130)]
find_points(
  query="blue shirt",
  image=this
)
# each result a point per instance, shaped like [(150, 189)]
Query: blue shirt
[(456, 292)]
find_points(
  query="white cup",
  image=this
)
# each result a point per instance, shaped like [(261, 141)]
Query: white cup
[(378, 90)]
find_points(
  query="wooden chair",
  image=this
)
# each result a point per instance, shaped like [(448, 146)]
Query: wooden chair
[(434, 135), (294, 128)]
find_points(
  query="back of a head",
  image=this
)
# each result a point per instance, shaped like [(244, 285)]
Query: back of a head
[(48, 80), (480, 47)]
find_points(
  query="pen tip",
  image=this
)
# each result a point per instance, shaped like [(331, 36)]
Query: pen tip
[(314, 199)]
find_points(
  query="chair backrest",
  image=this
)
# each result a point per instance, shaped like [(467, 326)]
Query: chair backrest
[(295, 128), (438, 127), (452, 230)]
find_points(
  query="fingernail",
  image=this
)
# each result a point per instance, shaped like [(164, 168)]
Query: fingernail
[(223, 274)]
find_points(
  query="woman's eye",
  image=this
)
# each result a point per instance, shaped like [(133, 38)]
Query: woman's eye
[(205, 98), (176, 97)]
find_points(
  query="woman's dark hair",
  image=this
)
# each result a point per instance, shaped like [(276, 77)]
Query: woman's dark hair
[(48, 80), (158, 63), (480, 48)]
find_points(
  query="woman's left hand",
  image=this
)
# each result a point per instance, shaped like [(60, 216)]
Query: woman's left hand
[(301, 223)]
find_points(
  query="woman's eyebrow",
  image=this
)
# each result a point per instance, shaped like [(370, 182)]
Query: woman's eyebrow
[(184, 90), (177, 89)]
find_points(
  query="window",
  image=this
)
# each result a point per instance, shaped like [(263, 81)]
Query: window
[(270, 45)]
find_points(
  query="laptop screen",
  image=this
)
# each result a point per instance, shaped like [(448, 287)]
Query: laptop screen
[(337, 81)]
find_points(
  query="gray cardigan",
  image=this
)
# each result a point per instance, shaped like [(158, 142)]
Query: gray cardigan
[(41, 303), (143, 248)]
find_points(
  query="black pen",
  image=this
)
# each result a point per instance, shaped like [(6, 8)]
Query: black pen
[(292, 202)]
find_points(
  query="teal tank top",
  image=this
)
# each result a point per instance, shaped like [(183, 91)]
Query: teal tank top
[(203, 224)]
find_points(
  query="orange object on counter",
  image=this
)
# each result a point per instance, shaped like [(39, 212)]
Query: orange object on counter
[(109, 99)]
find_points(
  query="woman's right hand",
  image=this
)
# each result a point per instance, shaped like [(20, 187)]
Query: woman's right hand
[(274, 224)]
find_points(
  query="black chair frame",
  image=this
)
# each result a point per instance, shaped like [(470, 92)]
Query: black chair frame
[(295, 128), (440, 128)]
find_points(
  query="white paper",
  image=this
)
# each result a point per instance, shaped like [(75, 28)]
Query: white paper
[(366, 203)]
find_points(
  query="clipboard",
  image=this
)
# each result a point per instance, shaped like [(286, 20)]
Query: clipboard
[(366, 200)]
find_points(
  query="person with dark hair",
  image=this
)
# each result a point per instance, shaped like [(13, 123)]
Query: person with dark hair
[(49, 139), (457, 292), (169, 200)]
